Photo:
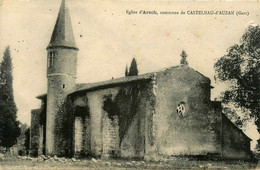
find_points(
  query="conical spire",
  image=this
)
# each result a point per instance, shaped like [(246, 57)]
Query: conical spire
[(62, 35)]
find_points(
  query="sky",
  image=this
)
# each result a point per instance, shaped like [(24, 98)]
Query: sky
[(108, 38)]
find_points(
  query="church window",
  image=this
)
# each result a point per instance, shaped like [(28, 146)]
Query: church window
[(51, 58), (63, 86), (181, 109)]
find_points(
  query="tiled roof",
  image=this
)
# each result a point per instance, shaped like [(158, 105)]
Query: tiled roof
[(122, 80), (89, 86), (62, 35), (78, 85), (41, 96)]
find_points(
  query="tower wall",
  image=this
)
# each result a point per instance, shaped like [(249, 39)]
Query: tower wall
[(64, 61), (61, 75)]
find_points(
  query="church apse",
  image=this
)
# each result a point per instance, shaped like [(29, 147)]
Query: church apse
[(181, 113)]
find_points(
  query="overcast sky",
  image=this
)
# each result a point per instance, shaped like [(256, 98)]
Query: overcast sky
[(108, 39)]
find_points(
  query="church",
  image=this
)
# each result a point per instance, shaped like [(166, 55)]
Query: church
[(151, 116)]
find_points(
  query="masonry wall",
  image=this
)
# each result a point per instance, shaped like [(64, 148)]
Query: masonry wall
[(117, 120), (82, 127), (64, 62), (36, 135), (133, 140), (235, 144), (216, 127), (87, 137), (56, 98), (95, 100), (110, 136), (188, 134), (230, 141), (140, 119), (61, 74), (78, 135)]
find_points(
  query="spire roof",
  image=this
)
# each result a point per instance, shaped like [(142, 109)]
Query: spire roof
[(62, 35)]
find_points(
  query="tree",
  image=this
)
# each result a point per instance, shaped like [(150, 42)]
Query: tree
[(232, 114), (126, 71), (133, 71), (240, 68), (21, 139), (9, 126), (184, 57)]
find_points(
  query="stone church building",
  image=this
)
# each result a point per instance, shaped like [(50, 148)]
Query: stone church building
[(149, 116)]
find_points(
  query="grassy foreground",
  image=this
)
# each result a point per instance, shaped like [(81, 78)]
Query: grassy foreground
[(89, 164)]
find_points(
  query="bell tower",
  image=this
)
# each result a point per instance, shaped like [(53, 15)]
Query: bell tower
[(61, 72)]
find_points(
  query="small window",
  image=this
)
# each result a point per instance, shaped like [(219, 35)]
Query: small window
[(51, 58), (181, 109), (63, 86)]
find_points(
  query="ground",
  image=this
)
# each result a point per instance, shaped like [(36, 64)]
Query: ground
[(112, 164)]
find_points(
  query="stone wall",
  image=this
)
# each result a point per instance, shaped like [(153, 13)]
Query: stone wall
[(215, 127), (56, 99), (169, 114), (87, 137), (117, 120), (37, 129), (131, 102), (95, 102), (82, 126), (186, 133), (36, 133), (41, 138), (230, 141), (78, 135), (133, 143), (64, 62), (110, 135), (61, 76), (236, 145), (82, 137), (63, 130)]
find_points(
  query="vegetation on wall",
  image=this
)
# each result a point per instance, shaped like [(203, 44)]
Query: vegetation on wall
[(64, 129), (110, 107), (9, 126), (124, 105), (35, 135), (82, 111)]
